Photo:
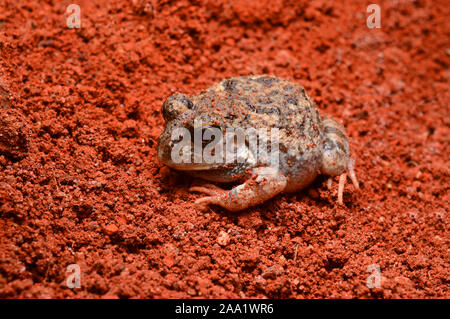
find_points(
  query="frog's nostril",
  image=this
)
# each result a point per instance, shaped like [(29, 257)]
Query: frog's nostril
[(188, 103)]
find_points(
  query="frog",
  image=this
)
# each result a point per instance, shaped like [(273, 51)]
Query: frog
[(306, 144)]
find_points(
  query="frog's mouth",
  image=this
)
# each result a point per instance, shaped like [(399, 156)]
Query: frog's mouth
[(165, 156), (183, 154), (191, 166)]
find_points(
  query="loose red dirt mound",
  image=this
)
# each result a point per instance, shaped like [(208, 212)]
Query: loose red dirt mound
[(80, 182)]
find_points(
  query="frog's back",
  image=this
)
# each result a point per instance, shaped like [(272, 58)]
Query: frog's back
[(265, 102)]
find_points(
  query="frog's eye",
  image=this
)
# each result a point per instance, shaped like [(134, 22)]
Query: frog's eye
[(186, 102), (176, 105)]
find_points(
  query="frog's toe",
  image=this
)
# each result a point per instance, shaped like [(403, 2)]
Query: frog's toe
[(205, 201), (208, 189), (343, 178), (329, 183), (351, 172)]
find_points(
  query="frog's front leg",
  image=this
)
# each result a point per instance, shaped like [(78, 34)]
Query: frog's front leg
[(265, 183)]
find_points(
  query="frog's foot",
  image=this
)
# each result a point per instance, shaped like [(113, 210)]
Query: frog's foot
[(265, 183), (343, 178)]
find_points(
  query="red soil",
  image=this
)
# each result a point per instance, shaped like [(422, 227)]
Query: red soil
[(80, 181)]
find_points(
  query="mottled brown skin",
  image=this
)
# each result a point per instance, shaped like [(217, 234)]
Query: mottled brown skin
[(308, 145)]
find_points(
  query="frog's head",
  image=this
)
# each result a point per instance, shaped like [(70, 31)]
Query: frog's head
[(335, 149), (188, 131)]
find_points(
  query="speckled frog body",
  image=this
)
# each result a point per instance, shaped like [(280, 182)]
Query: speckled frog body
[(307, 144)]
